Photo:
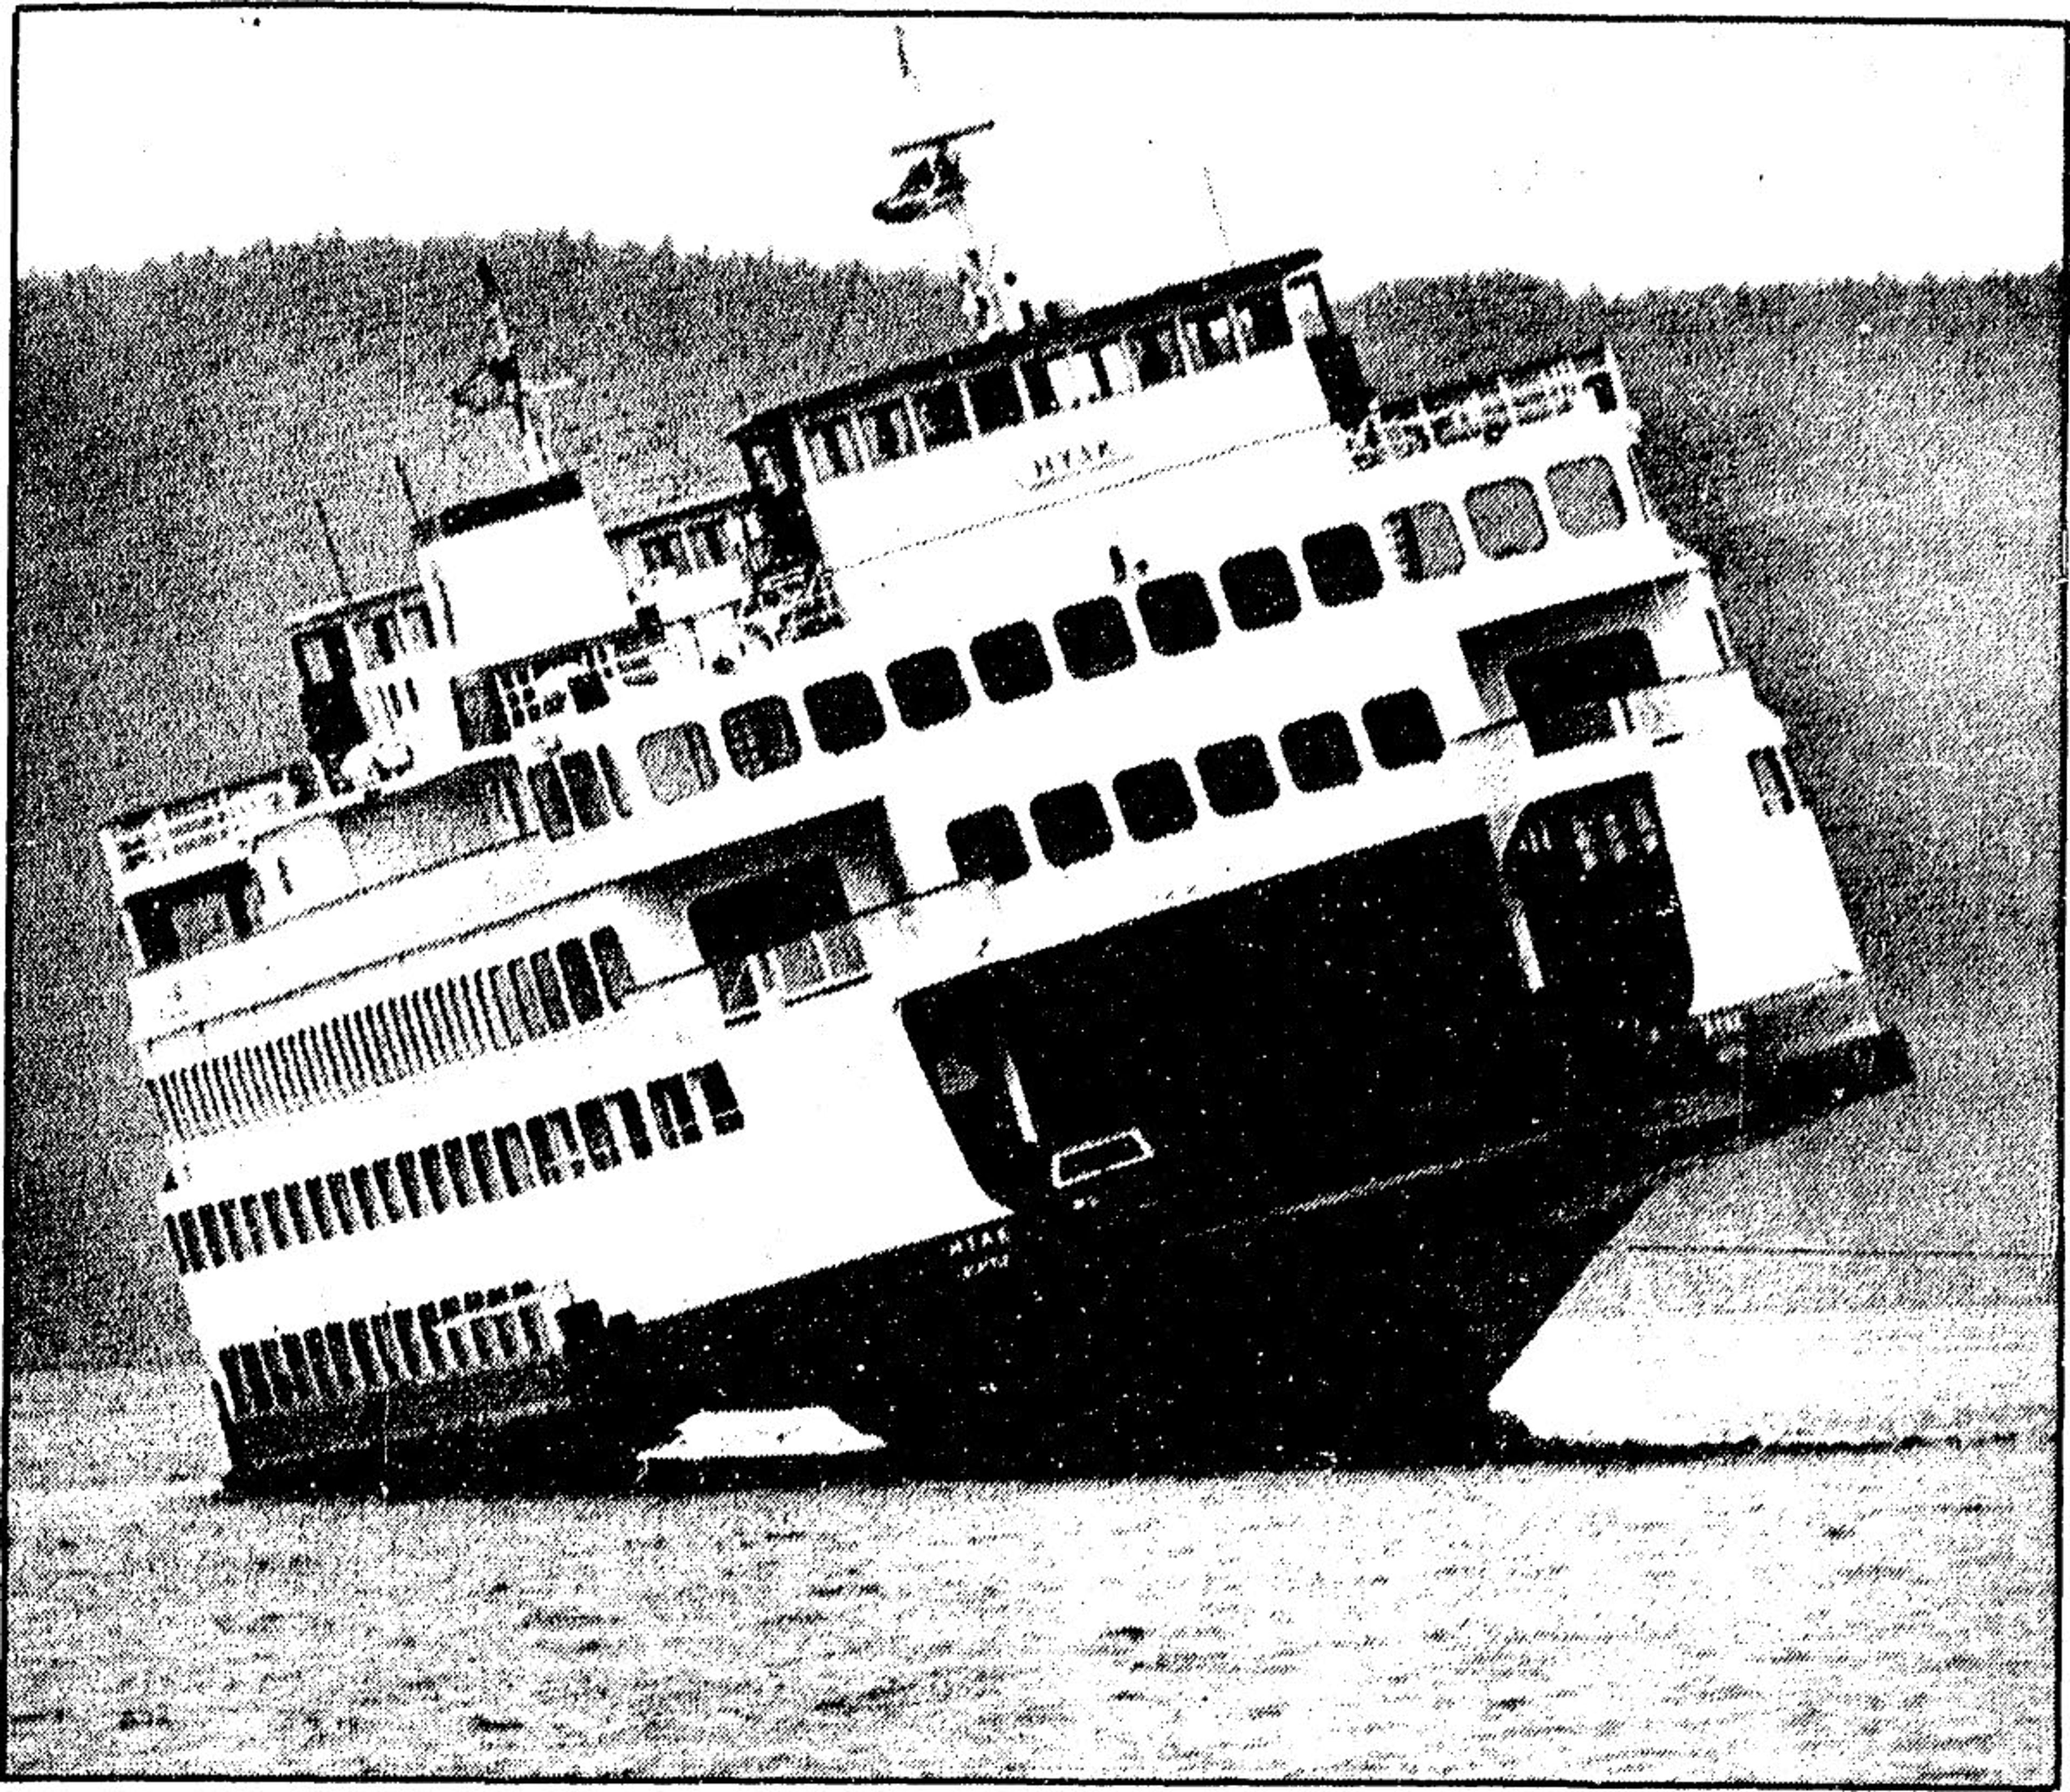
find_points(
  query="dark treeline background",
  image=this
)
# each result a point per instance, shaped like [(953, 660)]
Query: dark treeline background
[(1873, 465)]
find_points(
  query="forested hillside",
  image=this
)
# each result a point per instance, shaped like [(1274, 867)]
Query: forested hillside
[(1874, 466)]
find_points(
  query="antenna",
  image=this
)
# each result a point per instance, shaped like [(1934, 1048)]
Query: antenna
[(330, 542), (1214, 205)]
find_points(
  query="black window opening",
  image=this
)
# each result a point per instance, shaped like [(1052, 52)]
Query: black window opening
[(995, 398), (1319, 752), (1261, 320), (1071, 825), (1505, 518), (551, 796), (845, 712), (1237, 775), (1402, 729), (942, 417), (1155, 351), (1178, 615), (1093, 639), (678, 761), (888, 429), (1210, 335), (1155, 800), (1341, 565), (1426, 541), (1043, 397), (1259, 588), (1771, 781), (1566, 695), (831, 444), (578, 977), (760, 737), (1584, 494), (585, 789), (928, 687), (988, 845), (1011, 663), (613, 968), (674, 1118)]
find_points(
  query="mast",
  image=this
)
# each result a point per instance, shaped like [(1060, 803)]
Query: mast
[(497, 385)]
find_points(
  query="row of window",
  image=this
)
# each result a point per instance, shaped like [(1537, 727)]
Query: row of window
[(328, 652), (482, 1166), (1237, 777), (494, 1009), (993, 398), (1506, 519), (696, 545), (483, 1328), (571, 790)]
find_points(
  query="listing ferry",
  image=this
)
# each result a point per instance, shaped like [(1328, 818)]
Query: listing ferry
[(1126, 902)]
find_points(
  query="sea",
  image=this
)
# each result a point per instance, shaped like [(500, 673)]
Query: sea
[(1871, 1598)]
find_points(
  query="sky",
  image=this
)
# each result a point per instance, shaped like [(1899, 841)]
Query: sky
[(1621, 155)]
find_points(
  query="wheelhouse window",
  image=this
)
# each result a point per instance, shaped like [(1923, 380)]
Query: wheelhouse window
[(1155, 800), (665, 553), (1043, 399), (1771, 781), (988, 845), (845, 712), (1071, 825), (1237, 775), (1261, 322), (1319, 752), (994, 397), (1341, 565), (1094, 638), (830, 442), (942, 417), (1210, 336), (888, 429), (1011, 663), (1259, 588), (1402, 729), (1584, 494), (1075, 379), (1426, 541), (928, 687), (1155, 351), (678, 761), (760, 737), (1505, 518), (1178, 615)]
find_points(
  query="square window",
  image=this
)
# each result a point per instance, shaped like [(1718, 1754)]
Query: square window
[(845, 712), (1403, 729), (1584, 495), (994, 397), (1178, 616), (1011, 663), (1238, 776), (760, 737), (928, 687), (1341, 565), (1426, 541), (1260, 590), (988, 845), (1155, 800), (1261, 319), (678, 761), (1505, 518), (1210, 336), (1319, 752), (942, 417), (1093, 639), (1071, 824)]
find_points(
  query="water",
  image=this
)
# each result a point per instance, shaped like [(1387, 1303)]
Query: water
[(1872, 1614)]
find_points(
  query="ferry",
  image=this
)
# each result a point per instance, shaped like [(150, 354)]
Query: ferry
[(1124, 902)]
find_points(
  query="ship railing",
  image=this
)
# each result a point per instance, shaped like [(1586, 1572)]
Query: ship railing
[(195, 825), (914, 940), (1661, 714), (1486, 411)]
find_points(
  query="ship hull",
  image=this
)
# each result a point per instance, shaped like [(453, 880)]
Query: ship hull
[(1291, 1173)]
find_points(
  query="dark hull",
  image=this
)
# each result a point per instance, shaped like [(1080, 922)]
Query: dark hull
[(1370, 1166)]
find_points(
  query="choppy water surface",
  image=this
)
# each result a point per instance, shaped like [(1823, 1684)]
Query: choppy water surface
[(1865, 1615)]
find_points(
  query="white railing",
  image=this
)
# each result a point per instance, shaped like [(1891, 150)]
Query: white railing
[(200, 824), (1484, 412)]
